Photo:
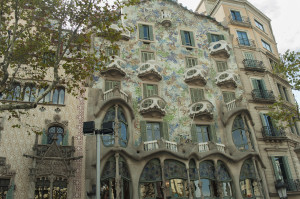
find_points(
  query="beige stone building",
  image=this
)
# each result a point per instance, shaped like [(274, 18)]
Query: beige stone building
[(256, 53), (186, 95)]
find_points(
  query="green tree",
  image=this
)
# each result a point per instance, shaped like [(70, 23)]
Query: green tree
[(289, 67), (48, 43)]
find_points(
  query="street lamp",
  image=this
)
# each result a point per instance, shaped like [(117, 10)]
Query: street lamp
[(89, 129), (281, 189)]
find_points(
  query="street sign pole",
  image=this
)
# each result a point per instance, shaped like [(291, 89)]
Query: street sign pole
[(98, 183)]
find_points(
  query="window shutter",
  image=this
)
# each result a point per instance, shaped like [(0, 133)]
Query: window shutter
[(277, 176), (151, 33), (141, 31), (263, 120), (222, 37), (143, 129), (165, 130), (107, 85), (194, 133), (155, 90), (44, 137), (10, 192), (201, 94), (193, 98), (145, 90), (65, 139), (255, 85), (192, 38), (263, 84), (287, 167), (209, 37), (182, 37), (212, 132)]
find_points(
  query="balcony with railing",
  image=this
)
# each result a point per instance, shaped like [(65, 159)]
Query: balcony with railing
[(227, 78), (240, 21), (148, 71), (231, 108), (114, 67), (253, 65), (245, 42), (272, 133), (203, 147), (160, 144), (263, 95), (151, 145), (153, 106), (292, 185), (116, 92), (220, 48), (195, 75)]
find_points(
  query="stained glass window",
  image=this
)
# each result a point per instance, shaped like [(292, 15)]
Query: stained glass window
[(151, 180), (55, 132), (248, 183), (194, 178), (174, 169), (109, 118), (207, 176)]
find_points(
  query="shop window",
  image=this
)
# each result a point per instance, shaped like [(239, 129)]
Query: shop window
[(194, 178), (43, 184), (208, 180)]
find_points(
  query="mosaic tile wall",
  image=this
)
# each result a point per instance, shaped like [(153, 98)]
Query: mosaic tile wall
[(170, 56)]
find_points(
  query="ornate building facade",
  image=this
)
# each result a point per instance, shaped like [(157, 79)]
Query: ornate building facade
[(187, 109)]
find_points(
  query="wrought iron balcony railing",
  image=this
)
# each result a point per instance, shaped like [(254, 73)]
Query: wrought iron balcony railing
[(272, 132), (292, 185), (252, 64), (242, 21), (245, 42), (265, 95)]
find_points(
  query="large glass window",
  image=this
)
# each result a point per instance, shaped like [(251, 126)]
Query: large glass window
[(108, 183), (42, 188), (46, 98), (266, 45), (153, 131), (282, 171), (239, 134), (208, 180), (151, 181), (236, 15), (243, 38), (225, 180), (248, 181), (122, 125), (55, 133), (193, 174), (29, 93), (176, 179), (202, 133), (58, 96), (15, 93)]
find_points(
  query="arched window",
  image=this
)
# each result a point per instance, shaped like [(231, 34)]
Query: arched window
[(194, 178), (208, 180), (15, 93), (176, 179), (29, 93), (239, 134), (108, 186), (55, 132), (225, 180), (42, 188), (110, 118), (58, 96), (151, 180), (248, 181), (46, 98)]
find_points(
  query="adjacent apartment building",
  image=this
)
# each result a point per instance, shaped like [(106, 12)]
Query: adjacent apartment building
[(187, 95)]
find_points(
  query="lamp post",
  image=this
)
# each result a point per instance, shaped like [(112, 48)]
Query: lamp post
[(281, 189), (89, 129)]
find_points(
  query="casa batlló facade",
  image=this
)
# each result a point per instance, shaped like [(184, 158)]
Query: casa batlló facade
[(183, 123)]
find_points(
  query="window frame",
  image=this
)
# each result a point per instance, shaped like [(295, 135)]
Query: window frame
[(148, 52), (145, 90), (192, 38), (49, 95), (60, 89), (224, 65), (235, 17), (259, 25), (151, 35), (266, 45), (187, 58), (152, 123), (248, 43), (109, 51), (199, 95), (32, 93), (63, 134), (112, 82)]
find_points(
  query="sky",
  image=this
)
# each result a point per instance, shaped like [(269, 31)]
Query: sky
[(284, 15)]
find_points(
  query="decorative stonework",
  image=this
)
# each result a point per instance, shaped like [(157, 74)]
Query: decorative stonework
[(125, 33), (5, 169), (200, 109), (155, 106), (220, 47), (114, 68), (148, 71), (195, 75), (227, 79)]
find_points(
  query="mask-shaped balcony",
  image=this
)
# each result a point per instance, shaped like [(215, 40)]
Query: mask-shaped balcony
[(201, 109), (148, 71), (114, 68), (227, 79), (166, 18), (195, 75), (219, 48), (153, 106), (125, 33)]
